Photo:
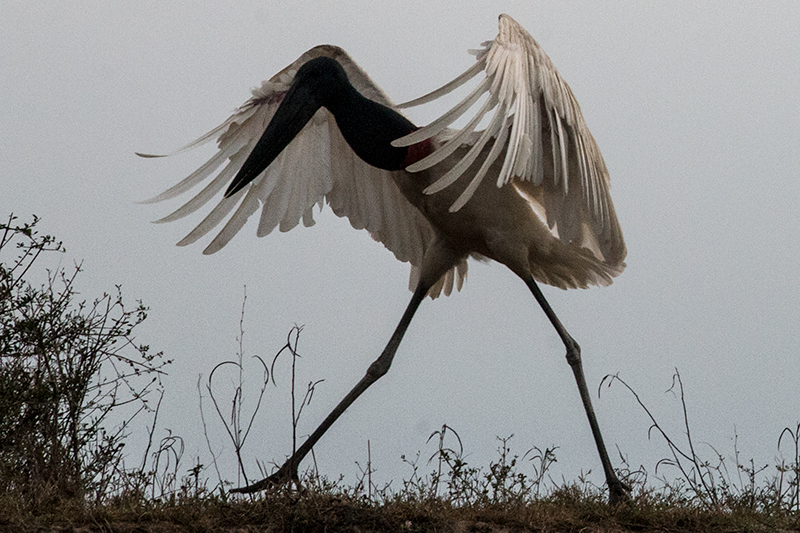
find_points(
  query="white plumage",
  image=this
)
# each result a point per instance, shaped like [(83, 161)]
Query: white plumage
[(549, 158)]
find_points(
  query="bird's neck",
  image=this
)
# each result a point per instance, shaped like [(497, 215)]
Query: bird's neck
[(369, 128)]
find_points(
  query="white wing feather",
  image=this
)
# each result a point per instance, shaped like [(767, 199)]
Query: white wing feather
[(317, 165), (549, 153)]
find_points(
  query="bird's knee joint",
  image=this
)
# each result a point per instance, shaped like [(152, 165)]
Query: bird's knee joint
[(573, 353), (377, 369)]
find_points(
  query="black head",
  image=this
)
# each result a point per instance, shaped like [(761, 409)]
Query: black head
[(322, 77)]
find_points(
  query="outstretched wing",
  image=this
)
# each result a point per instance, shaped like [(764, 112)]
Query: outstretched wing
[(549, 154), (318, 165)]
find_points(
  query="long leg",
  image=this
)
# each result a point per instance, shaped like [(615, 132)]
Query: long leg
[(288, 472), (618, 491)]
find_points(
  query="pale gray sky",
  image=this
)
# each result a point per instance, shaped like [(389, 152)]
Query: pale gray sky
[(696, 109)]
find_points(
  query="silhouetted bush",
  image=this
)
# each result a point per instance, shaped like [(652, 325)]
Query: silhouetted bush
[(66, 366)]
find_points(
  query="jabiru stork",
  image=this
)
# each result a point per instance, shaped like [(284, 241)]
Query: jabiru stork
[(530, 191)]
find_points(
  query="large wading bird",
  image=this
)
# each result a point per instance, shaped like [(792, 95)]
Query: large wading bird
[(530, 191)]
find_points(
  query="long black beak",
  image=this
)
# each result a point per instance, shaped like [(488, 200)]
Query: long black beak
[(294, 112)]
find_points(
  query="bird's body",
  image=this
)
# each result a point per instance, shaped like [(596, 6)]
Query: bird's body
[(531, 191), (500, 223)]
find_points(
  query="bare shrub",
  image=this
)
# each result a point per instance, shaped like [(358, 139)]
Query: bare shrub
[(65, 367)]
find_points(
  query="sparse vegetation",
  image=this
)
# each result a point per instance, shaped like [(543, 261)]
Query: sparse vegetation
[(66, 367), (72, 377)]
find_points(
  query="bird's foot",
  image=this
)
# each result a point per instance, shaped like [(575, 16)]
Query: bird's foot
[(619, 492), (285, 475)]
